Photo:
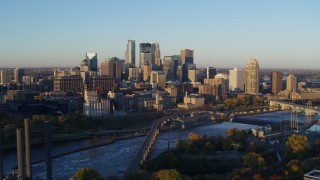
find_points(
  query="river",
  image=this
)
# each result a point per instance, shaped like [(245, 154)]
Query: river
[(113, 159)]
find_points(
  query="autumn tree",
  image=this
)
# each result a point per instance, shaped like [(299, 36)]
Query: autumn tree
[(298, 144), (166, 174), (253, 160), (194, 136), (86, 173)]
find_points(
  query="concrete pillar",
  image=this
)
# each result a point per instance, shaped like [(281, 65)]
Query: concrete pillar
[(19, 153), (1, 167), (48, 150), (27, 132)]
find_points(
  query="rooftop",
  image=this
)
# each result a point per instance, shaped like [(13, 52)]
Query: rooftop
[(314, 174)]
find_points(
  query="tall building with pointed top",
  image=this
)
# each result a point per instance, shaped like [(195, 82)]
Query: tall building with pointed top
[(92, 59), (130, 54), (252, 77)]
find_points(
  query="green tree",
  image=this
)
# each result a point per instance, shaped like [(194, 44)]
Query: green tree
[(298, 144), (166, 174), (317, 146), (86, 173), (209, 146), (184, 145), (253, 160)]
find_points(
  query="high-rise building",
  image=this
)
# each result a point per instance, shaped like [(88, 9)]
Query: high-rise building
[(211, 72), (112, 67), (29, 80), (155, 52), (92, 59), (186, 56), (146, 72), (216, 87), (84, 65), (237, 79), (193, 75), (179, 73), (291, 82), (130, 55), (158, 63), (144, 48), (168, 67), (252, 77), (159, 78), (5, 76), (134, 74), (146, 58), (17, 75), (276, 81)]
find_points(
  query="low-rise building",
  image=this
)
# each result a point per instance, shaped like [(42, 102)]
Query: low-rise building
[(95, 106), (192, 101)]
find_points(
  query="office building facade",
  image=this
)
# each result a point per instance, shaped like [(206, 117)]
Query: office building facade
[(252, 77), (92, 59), (237, 79), (130, 54), (276, 81)]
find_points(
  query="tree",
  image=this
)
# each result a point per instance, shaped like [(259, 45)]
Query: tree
[(298, 144), (183, 145), (166, 174), (253, 160), (194, 136), (86, 173), (257, 176), (209, 146), (317, 146), (230, 131)]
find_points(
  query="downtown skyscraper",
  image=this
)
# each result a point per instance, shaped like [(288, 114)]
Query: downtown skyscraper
[(252, 77), (130, 54), (92, 59), (144, 48)]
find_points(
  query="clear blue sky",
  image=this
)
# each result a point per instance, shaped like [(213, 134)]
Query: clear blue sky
[(280, 34)]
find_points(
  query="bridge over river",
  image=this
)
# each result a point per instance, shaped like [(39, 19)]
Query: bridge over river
[(308, 110), (145, 149)]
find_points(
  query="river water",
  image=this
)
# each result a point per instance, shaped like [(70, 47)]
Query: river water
[(113, 159)]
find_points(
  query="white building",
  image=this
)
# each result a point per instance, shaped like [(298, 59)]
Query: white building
[(237, 79), (94, 106), (130, 54)]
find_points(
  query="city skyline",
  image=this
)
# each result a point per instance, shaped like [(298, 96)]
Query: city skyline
[(282, 34)]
